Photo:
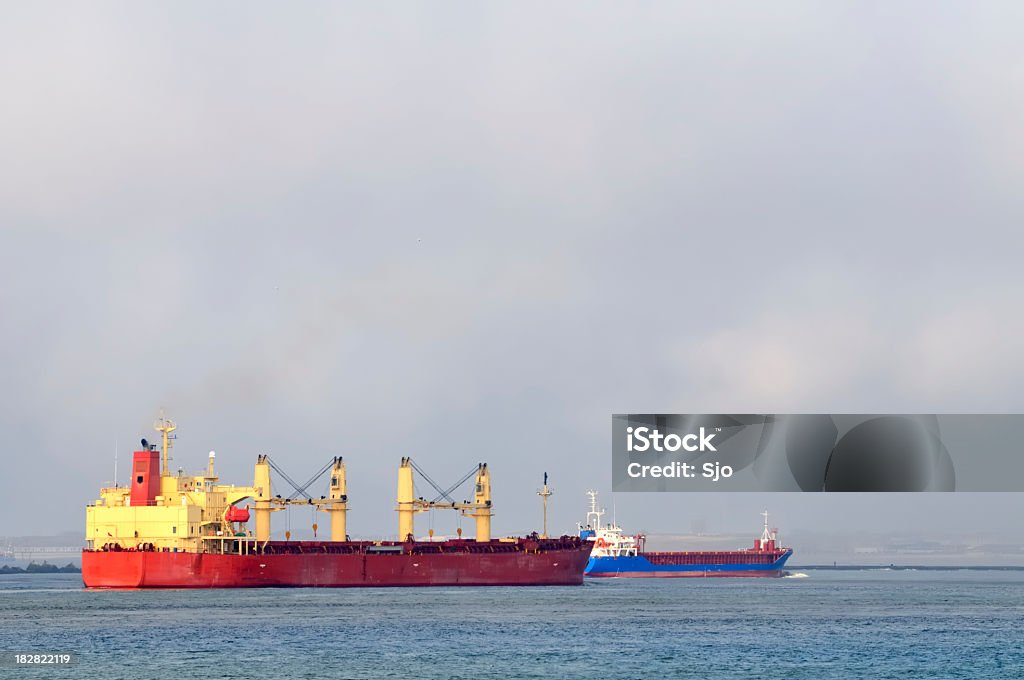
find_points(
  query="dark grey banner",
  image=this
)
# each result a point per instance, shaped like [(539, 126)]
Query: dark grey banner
[(816, 452)]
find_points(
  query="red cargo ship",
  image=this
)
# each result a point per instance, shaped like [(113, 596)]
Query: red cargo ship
[(175, 531), (537, 562)]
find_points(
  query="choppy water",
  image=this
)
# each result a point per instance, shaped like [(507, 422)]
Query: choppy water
[(828, 625)]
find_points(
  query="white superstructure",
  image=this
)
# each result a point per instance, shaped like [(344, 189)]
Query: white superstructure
[(608, 539)]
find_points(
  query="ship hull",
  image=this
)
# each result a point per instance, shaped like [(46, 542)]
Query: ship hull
[(360, 568), (690, 565)]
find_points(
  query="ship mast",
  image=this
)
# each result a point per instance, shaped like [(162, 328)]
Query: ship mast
[(165, 427), (766, 535), (594, 512), (544, 493)]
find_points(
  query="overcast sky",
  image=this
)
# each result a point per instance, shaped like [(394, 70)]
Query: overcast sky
[(471, 232)]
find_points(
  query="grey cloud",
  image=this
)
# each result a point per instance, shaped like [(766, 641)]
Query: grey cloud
[(475, 232)]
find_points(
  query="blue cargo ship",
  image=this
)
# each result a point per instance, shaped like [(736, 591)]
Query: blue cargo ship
[(622, 556)]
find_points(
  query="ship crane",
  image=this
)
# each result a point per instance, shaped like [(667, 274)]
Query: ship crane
[(408, 505), (335, 503)]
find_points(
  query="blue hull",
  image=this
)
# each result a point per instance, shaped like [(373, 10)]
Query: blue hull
[(641, 567)]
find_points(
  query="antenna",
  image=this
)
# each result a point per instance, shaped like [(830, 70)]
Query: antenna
[(115, 461)]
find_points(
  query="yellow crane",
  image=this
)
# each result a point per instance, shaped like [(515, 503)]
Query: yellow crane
[(480, 509)]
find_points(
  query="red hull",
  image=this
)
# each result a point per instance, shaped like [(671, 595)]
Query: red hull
[(297, 565)]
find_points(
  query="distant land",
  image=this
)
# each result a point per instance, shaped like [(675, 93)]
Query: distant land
[(44, 568)]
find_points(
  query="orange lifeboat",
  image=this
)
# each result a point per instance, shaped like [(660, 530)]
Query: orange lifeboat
[(235, 514)]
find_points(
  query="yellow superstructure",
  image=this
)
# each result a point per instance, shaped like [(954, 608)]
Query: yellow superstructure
[(195, 513), (188, 510)]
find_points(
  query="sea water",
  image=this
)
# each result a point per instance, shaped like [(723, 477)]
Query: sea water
[(827, 624)]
